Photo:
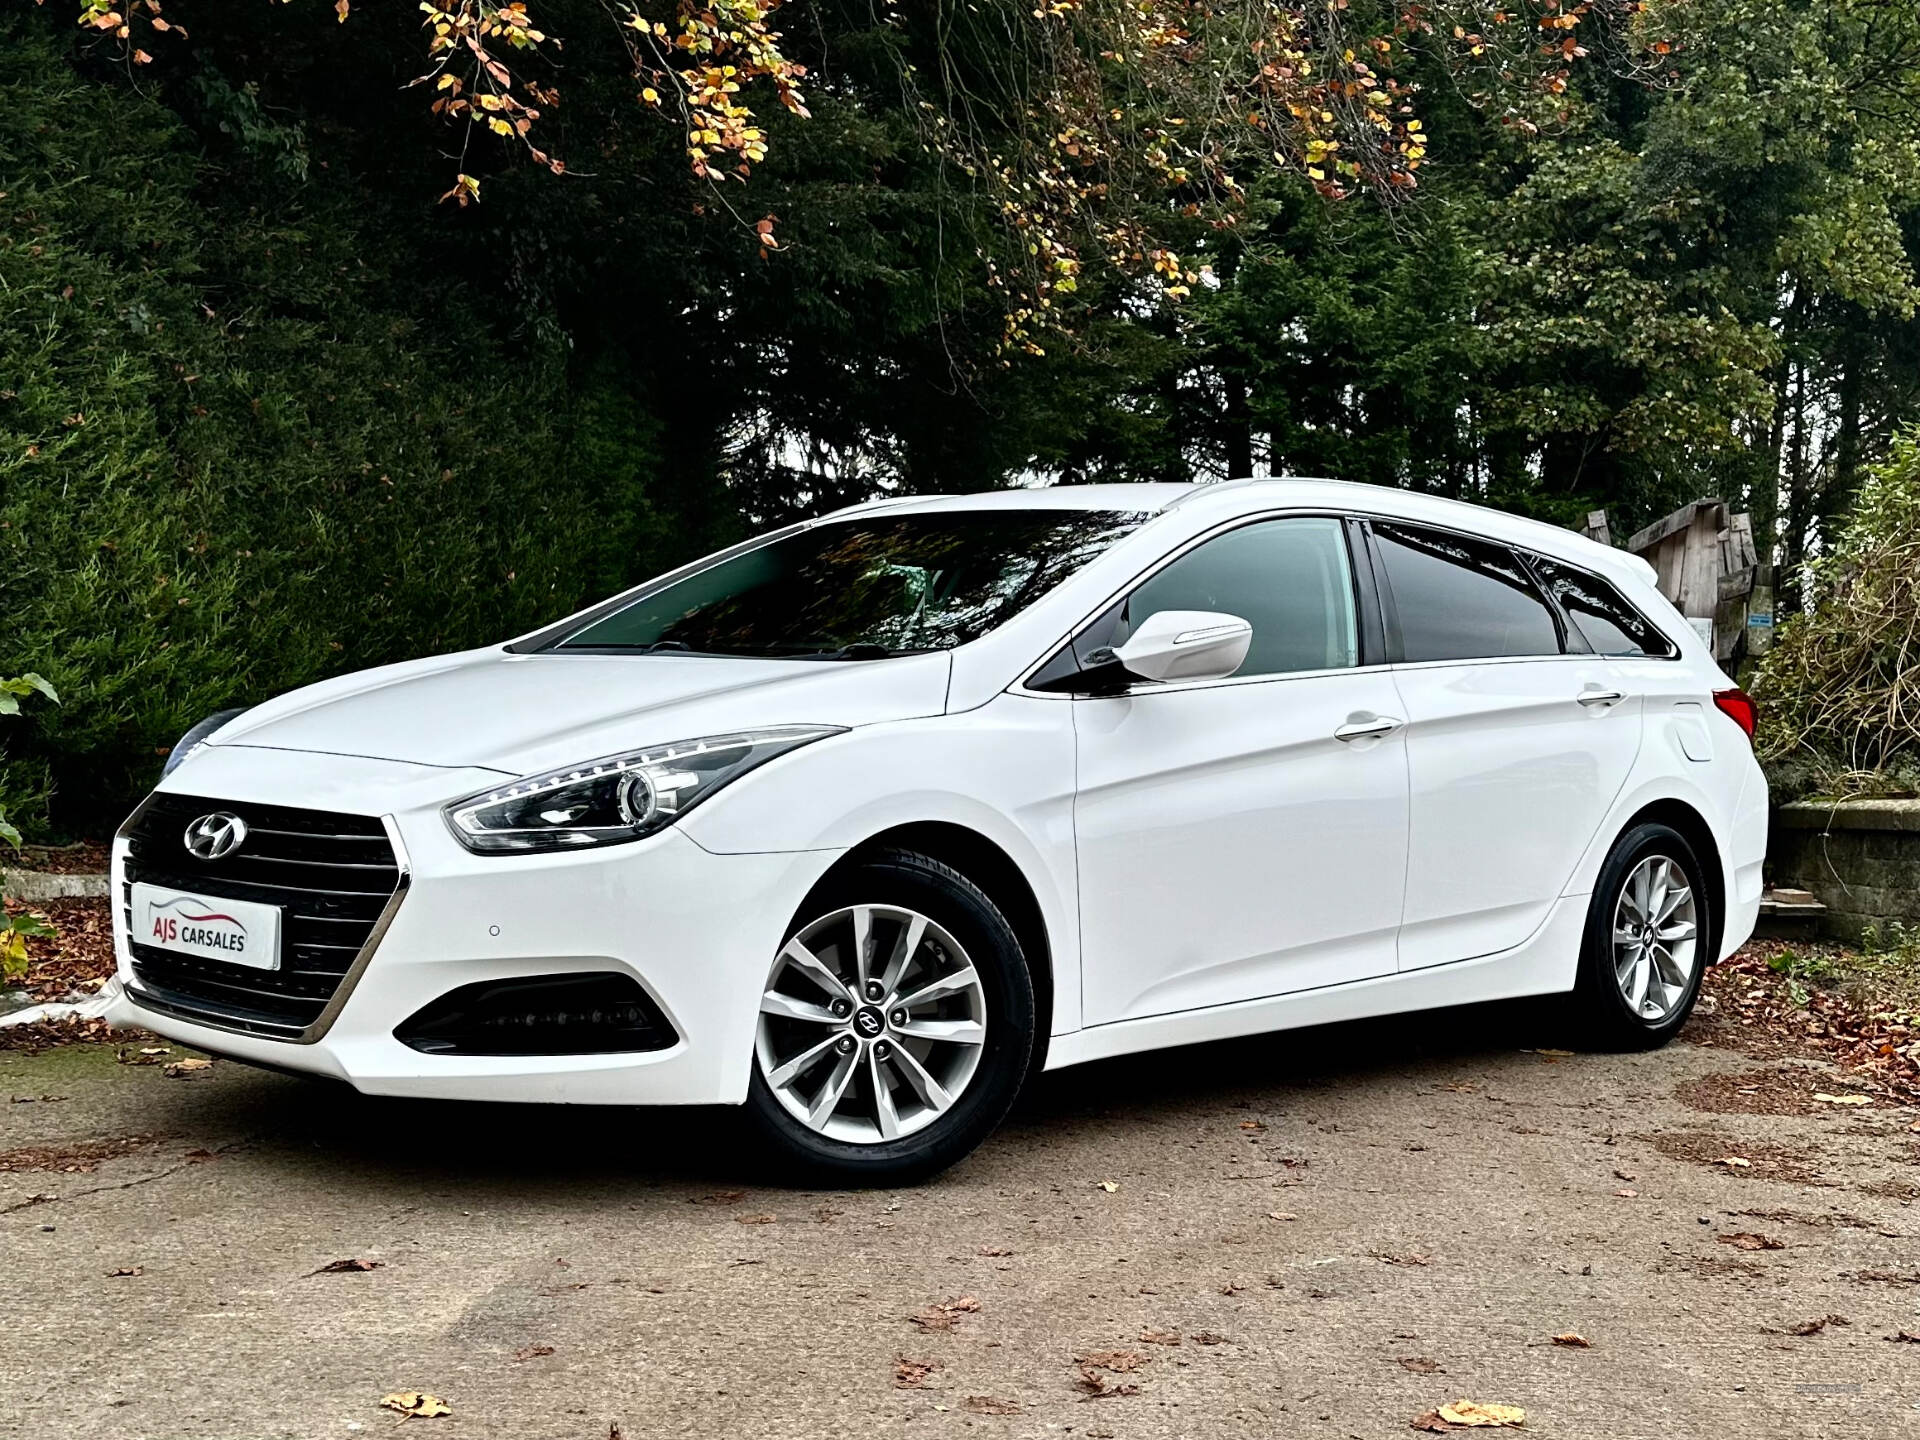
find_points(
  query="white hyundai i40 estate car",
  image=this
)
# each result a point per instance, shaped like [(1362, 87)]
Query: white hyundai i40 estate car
[(861, 823)]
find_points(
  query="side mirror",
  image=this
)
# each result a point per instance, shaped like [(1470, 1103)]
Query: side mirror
[(1185, 645)]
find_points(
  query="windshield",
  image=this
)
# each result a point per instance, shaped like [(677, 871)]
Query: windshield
[(864, 588)]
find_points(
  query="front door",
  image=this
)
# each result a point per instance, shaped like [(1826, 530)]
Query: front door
[(1243, 838)]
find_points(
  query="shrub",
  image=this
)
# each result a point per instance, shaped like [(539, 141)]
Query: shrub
[(1840, 691), (246, 439)]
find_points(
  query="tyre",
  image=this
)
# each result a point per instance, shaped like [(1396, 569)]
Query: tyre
[(895, 1025), (1648, 939)]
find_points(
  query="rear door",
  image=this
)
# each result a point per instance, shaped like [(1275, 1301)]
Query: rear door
[(1518, 739)]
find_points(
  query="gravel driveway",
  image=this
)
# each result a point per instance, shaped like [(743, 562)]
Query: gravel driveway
[(1323, 1234)]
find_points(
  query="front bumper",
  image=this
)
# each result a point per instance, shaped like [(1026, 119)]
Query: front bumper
[(696, 930)]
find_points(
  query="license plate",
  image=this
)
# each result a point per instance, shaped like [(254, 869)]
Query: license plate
[(240, 932)]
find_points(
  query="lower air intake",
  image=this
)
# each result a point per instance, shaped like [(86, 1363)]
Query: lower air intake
[(594, 1014)]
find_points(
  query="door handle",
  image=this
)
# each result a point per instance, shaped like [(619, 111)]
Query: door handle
[(1594, 695), (1366, 727)]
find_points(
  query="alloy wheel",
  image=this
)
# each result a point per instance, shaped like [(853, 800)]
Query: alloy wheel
[(872, 1024), (1655, 937)]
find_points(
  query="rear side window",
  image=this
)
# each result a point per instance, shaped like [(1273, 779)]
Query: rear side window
[(1290, 579), (1605, 620), (1462, 599)]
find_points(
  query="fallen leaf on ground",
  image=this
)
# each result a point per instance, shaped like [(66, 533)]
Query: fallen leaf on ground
[(995, 1252), (943, 1315), (1421, 1365), (416, 1404), (1466, 1412), (192, 1065), (1412, 1257), (126, 1270), (988, 1405), (1121, 1362), (532, 1352), (1108, 1185), (1573, 1340), (1817, 1324), (1886, 1277), (145, 1055), (343, 1267), (1101, 1387), (1160, 1337), (1747, 1240), (1555, 1054), (1735, 1162), (1252, 1125), (1281, 1215), (1907, 1336), (912, 1374), (1430, 1420), (1627, 1194), (1626, 1175), (1207, 1337), (1826, 1099)]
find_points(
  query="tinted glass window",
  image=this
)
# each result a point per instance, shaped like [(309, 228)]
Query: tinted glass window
[(1608, 624), (1462, 599), (896, 583), (1288, 578)]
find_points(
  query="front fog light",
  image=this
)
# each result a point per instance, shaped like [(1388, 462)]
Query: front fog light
[(617, 798)]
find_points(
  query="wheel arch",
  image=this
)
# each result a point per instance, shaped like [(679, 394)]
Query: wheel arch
[(1679, 815), (996, 872)]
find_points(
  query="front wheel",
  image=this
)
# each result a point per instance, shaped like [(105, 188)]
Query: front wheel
[(895, 1025), (1647, 942)]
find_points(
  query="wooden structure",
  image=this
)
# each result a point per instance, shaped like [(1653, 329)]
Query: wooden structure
[(1707, 566)]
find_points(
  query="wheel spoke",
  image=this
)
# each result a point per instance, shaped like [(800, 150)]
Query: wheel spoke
[(815, 969), (862, 946), (1672, 973), (1625, 937), (884, 1115), (930, 1090), (960, 980), (828, 1100), (1676, 895), (955, 1032), (784, 1075), (1679, 930), (776, 1002), (904, 950), (1642, 977)]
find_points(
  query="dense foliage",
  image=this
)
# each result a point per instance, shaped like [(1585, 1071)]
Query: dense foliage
[(1840, 692), (269, 410)]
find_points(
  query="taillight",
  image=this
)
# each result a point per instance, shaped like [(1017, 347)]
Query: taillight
[(1739, 705)]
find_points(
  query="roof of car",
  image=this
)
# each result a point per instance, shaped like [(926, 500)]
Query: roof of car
[(1234, 496)]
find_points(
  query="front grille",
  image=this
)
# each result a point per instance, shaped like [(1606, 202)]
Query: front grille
[(331, 875)]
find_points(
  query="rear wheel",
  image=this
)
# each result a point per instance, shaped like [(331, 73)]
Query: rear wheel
[(895, 1025), (1647, 942)]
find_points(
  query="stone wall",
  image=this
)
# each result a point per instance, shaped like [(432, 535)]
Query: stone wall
[(1860, 857)]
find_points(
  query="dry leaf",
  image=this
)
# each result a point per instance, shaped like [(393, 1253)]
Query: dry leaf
[(416, 1403), (1421, 1365), (1573, 1340), (942, 1316), (1101, 1387), (192, 1065), (1555, 1054), (1109, 1185), (1413, 1257), (1466, 1412), (1252, 1125), (995, 1252), (912, 1374), (1826, 1099), (1817, 1324), (1207, 1337), (126, 1270), (1627, 1194), (1429, 1420), (988, 1405), (531, 1352), (1747, 1240), (1121, 1362), (341, 1267), (1734, 1162), (1626, 1175), (1281, 1215), (1907, 1336), (1160, 1337)]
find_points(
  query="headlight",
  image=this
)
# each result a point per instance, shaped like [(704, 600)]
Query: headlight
[(618, 798)]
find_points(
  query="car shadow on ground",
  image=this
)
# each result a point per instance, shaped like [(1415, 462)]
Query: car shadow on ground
[(512, 1148)]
